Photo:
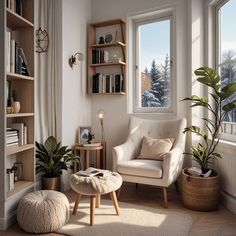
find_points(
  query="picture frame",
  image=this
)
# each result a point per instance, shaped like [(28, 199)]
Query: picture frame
[(83, 134)]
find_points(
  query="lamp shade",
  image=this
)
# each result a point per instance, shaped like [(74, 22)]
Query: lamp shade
[(101, 114)]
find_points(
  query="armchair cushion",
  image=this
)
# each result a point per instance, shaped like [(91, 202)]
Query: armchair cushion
[(155, 149), (141, 167)]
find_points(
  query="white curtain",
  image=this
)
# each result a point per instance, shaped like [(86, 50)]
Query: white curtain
[(46, 73)]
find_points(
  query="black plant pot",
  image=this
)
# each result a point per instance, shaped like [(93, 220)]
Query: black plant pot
[(53, 183)]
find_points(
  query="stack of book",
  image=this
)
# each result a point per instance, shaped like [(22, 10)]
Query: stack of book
[(102, 83), (17, 134), (16, 59), (100, 56), (12, 137), (15, 5)]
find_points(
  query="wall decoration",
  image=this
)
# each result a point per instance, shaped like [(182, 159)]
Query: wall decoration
[(42, 40), (108, 38), (83, 134)]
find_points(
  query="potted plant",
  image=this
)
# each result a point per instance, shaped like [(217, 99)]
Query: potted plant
[(199, 192), (51, 160)]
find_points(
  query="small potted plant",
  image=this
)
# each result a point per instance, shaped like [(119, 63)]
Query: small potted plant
[(51, 160), (15, 103), (201, 192)]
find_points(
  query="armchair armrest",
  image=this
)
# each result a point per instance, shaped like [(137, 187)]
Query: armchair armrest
[(124, 152), (172, 164)]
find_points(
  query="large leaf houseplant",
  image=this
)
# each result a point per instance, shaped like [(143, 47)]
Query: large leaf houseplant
[(52, 158), (201, 193)]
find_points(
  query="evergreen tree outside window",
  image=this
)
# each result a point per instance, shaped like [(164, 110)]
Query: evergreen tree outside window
[(153, 70)]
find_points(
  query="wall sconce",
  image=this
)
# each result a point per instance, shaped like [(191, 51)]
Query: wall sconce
[(101, 115), (74, 59)]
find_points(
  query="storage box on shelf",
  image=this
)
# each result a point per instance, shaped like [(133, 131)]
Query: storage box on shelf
[(107, 58), (17, 127)]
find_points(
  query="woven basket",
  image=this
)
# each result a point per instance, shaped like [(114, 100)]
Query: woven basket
[(200, 194)]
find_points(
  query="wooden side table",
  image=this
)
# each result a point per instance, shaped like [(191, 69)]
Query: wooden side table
[(87, 149)]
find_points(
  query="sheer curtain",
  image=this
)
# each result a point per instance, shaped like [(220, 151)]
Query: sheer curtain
[(46, 73)]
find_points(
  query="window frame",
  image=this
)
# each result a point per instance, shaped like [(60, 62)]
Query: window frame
[(217, 61), (134, 93)]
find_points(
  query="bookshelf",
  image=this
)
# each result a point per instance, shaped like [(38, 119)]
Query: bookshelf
[(107, 58), (18, 44)]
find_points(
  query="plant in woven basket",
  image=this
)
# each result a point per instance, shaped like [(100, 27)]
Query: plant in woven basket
[(218, 108), (52, 158)]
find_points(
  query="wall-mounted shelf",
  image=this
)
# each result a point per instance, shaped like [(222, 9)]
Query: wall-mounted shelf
[(19, 186), (108, 45), (19, 115), (15, 21), (14, 76), (109, 64), (17, 61), (111, 79), (17, 149)]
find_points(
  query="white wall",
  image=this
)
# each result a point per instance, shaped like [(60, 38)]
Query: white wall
[(115, 107), (76, 105)]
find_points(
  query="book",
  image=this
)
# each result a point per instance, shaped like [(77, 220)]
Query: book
[(94, 172), (12, 64), (20, 128), (8, 51), (91, 144), (195, 171), (24, 63)]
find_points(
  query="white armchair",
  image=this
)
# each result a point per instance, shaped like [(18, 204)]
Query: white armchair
[(151, 172)]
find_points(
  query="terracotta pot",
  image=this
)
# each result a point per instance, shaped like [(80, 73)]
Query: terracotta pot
[(199, 193), (51, 183), (16, 106)]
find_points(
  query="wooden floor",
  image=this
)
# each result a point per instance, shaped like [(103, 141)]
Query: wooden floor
[(217, 223)]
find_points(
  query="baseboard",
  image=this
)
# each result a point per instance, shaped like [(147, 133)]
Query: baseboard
[(229, 201), (7, 222)]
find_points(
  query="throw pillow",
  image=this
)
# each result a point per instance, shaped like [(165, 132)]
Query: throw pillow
[(155, 149)]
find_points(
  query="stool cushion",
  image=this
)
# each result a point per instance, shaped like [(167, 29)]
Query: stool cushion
[(43, 211), (96, 184)]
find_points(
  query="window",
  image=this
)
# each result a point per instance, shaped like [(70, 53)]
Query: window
[(152, 59), (226, 57)]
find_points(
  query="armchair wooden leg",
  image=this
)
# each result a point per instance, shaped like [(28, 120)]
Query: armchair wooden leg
[(165, 197), (78, 197), (92, 209), (176, 186)]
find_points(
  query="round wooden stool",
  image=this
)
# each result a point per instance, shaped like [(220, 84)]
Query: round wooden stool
[(95, 187)]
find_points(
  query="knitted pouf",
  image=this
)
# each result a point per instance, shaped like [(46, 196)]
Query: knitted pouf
[(95, 185), (43, 211)]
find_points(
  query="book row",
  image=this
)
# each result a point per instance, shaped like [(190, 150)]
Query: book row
[(16, 59), (15, 5), (102, 83), (16, 135), (100, 56)]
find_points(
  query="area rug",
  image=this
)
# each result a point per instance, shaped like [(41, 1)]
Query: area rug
[(134, 220)]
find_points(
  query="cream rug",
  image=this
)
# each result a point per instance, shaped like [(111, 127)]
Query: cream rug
[(134, 220)]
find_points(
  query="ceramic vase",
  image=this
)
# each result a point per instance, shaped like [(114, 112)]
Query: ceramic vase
[(16, 106)]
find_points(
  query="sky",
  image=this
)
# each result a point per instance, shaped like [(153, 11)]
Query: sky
[(155, 37), (154, 43), (228, 25)]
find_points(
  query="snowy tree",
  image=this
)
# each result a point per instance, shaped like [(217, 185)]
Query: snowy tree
[(158, 84), (146, 70), (149, 100), (165, 74), (228, 75)]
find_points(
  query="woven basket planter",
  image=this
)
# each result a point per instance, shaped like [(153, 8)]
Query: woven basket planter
[(199, 193)]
